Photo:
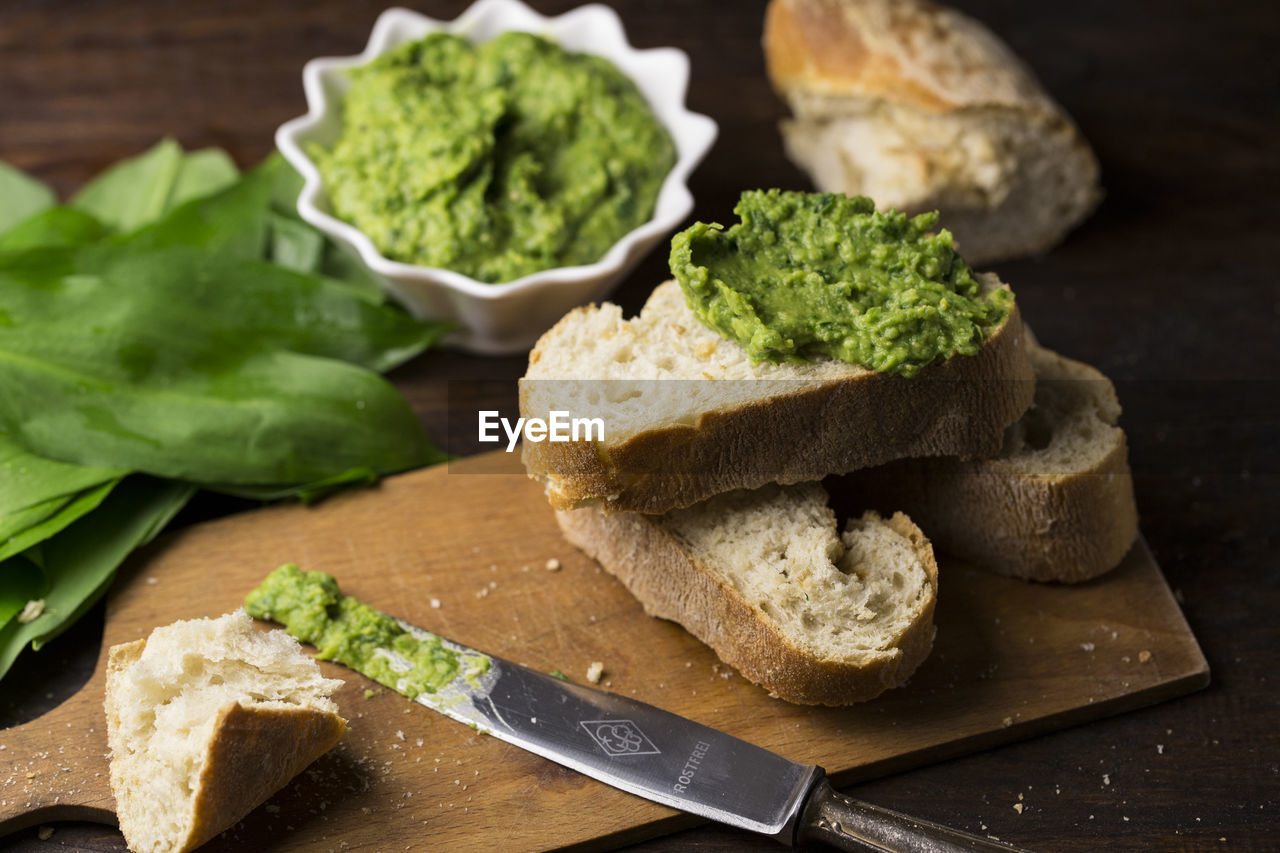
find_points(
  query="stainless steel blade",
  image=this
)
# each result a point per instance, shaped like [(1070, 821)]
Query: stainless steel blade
[(626, 743)]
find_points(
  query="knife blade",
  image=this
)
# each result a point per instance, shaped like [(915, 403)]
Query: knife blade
[(631, 745), (672, 760)]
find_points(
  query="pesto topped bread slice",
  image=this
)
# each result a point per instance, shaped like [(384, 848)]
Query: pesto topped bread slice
[(687, 414)]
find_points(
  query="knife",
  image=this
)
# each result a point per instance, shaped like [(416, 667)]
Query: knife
[(671, 760)]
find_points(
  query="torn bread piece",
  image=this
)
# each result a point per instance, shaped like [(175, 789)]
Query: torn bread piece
[(206, 719)]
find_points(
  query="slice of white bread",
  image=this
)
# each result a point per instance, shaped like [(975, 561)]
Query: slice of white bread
[(1056, 504), (206, 719), (688, 415), (923, 108), (764, 579)]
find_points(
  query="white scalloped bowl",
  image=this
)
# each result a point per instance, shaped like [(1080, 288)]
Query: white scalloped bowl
[(507, 317)]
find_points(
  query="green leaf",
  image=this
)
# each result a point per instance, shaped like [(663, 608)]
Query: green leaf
[(42, 521), (133, 192), (57, 226), (344, 266), (233, 221), (336, 262), (295, 245), (27, 480), (39, 497), (80, 563), (174, 363), (307, 492), (20, 581), (202, 173), (286, 184), (21, 196)]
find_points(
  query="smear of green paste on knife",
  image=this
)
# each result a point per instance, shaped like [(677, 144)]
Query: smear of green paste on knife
[(311, 608)]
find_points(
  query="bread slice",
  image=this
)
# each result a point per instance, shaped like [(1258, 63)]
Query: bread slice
[(205, 720), (1056, 504), (763, 578), (687, 414), (923, 108)]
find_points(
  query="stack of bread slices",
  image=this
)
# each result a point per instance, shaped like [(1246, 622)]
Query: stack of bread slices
[(705, 495)]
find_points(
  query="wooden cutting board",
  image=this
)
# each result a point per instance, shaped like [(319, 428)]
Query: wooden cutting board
[(464, 553)]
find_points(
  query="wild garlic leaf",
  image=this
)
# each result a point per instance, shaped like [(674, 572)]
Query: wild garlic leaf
[(39, 496), (80, 563), (21, 196), (202, 173), (295, 245), (20, 581), (135, 191), (36, 523), (27, 479), (231, 221), (57, 226), (201, 366)]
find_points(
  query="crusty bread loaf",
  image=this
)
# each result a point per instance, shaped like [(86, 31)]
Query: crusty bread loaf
[(764, 579), (1056, 504), (922, 108), (205, 720), (688, 415)]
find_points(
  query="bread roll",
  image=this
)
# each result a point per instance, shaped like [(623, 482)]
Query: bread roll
[(920, 108)]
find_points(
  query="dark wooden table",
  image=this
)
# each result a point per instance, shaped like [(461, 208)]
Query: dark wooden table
[(1171, 288)]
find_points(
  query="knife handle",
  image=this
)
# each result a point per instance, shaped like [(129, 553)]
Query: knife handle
[(842, 822)]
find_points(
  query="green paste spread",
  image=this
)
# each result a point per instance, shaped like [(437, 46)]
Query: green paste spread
[(311, 608), (807, 275), (494, 160)]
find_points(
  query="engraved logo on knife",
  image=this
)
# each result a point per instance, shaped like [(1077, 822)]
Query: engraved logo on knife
[(619, 737)]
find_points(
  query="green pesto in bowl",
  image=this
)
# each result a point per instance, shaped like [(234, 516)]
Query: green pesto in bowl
[(495, 160)]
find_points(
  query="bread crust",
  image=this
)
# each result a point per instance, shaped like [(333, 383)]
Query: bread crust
[(671, 583), (255, 752), (956, 407), (910, 52), (1061, 527), (252, 753)]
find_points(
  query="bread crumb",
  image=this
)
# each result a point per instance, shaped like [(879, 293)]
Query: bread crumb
[(595, 671), (1144, 656), (553, 565), (44, 833), (1017, 807)]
